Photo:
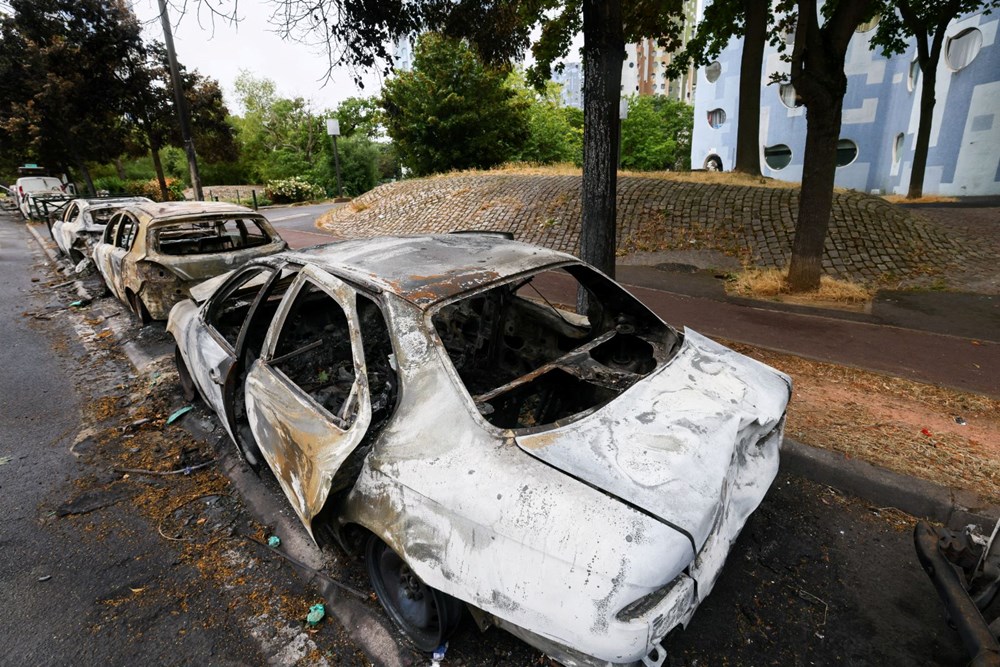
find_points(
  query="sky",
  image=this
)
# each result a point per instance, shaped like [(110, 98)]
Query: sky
[(252, 45)]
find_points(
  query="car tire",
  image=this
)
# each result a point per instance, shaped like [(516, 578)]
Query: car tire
[(425, 615), (139, 308), (186, 381)]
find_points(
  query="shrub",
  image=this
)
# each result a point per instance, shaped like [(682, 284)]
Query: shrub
[(294, 189), (112, 184), (151, 188)]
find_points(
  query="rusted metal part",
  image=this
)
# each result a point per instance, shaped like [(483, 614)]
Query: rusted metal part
[(941, 553), (146, 274), (513, 420)]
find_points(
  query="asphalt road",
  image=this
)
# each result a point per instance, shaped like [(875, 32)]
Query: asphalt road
[(816, 578), (297, 224)]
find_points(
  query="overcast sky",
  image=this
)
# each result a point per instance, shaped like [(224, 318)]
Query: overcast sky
[(297, 69)]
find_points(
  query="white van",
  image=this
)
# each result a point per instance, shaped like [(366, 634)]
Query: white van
[(28, 187)]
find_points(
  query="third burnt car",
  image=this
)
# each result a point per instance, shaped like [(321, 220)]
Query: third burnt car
[(151, 255), (576, 478), (82, 223)]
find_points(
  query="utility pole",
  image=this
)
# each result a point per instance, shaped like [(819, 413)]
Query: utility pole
[(181, 102), (333, 129)]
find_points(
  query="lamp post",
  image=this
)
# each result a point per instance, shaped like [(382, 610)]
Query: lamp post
[(333, 129)]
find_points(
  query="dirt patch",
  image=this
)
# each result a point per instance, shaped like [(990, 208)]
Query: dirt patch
[(945, 436)]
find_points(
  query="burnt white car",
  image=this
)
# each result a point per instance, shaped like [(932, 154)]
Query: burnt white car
[(576, 478), (151, 255), (83, 221)]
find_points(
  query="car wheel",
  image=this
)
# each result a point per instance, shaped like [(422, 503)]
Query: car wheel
[(187, 382), (425, 615), (139, 308)]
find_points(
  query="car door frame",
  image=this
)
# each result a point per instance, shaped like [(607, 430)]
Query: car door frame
[(345, 295), (117, 256)]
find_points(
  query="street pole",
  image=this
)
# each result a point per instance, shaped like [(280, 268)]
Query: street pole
[(333, 129), (181, 102)]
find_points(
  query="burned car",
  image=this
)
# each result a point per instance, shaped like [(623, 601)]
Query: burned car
[(150, 255), (83, 221), (430, 404)]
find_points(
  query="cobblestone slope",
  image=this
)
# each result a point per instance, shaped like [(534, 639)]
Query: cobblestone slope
[(869, 240)]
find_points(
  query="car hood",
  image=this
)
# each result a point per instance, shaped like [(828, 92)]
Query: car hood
[(669, 444)]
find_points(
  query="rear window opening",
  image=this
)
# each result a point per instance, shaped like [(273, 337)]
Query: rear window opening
[(529, 359), (204, 237)]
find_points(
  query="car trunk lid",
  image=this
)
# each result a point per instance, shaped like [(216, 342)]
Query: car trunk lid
[(666, 445)]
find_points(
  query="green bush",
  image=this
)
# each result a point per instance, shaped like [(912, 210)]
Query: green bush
[(112, 184), (294, 189), (151, 188)]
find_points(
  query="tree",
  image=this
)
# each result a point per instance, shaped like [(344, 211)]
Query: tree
[(656, 134), (817, 73), (150, 109), (451, 111), (66, 90), (361, 116), (926, 22), (279, 137), (550, 135)]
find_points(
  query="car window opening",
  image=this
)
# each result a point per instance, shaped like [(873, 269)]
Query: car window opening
[(213, 236), (528, 359), (382, 385), (314, 352)]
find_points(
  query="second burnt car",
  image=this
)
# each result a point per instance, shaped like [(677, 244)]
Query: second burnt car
[(82, 223), (428, 403), (150, 255)]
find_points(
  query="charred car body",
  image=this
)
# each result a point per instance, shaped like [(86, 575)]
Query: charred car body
[(82, 223), (150, 255), (576, 479)]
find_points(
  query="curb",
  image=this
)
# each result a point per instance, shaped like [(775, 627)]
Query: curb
[(879, 486), (953, 507)]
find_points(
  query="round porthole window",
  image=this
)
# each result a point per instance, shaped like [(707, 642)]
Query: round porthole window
[(789, 97), (914, 75), (847, 152), (963, 48), (716, 118), (868, 25), (713, 71), (778, 156), (897, 148)]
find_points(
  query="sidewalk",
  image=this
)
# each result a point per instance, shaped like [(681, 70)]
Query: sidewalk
[(850, 339)]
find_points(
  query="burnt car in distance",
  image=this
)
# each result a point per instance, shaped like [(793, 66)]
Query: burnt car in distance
[(150, 255), (82, 223), (425, 403)]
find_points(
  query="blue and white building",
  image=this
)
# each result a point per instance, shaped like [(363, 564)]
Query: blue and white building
[(880, 115)]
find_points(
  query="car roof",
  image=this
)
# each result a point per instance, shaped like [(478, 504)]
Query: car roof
[(427, 269), (183, 209), (104, 202)]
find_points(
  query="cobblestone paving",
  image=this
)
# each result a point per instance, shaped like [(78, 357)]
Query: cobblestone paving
[(870, 239)]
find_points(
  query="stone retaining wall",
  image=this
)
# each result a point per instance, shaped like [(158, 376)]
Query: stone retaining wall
[(869, 240)]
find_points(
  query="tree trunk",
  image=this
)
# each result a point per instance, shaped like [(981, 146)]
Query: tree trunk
[(927, 101), (154, 151), (603, 53), (748, 114), (120, 168), (816, 197), (82, 166)]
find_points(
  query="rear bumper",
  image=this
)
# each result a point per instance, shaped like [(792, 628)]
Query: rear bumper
[(975, 632)]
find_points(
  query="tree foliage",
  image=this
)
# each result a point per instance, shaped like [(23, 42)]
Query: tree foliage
[(924, 21), (64, 90), (551, 135), (452, 111), (656, 135)]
